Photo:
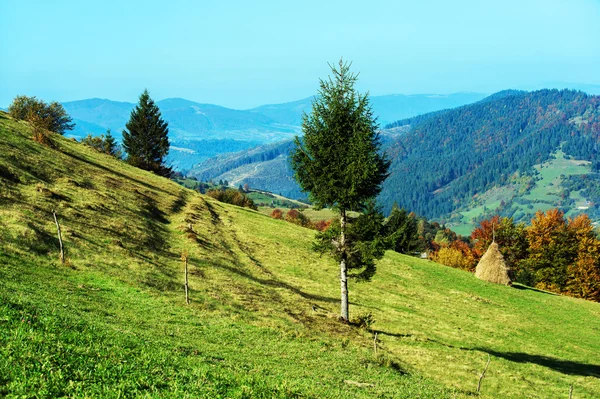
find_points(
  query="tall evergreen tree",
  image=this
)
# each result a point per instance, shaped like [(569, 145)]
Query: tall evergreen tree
[(338, 161), (146, 138)]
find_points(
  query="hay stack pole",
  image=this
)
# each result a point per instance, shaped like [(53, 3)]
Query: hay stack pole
[(492, 267)]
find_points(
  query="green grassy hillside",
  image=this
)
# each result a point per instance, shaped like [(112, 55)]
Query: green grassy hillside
[(525, 195), (262, 321)]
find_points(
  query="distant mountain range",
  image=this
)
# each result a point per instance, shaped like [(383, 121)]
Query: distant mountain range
[(199, 131), (387, 108), (187, 120), (511, 153)]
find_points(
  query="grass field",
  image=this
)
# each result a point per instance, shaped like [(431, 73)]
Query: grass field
[(311, 213), (262, 321)]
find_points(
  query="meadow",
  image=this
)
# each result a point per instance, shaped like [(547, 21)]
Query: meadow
[(112, 321)]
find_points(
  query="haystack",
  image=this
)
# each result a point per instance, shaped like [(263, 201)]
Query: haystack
[(492, 267)]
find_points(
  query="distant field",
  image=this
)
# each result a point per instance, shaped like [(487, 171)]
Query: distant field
[(311, 213), (546, 193)]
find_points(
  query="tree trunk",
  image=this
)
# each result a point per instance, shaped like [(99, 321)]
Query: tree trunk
[(343, 268)]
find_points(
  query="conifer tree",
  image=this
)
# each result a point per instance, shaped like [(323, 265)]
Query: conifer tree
[(146, 138), (338, 162), (110, 145), (401, 231)]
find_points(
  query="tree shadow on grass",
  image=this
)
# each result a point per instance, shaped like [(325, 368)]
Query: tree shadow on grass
[(114, 172), (524, 287), (562, 366), (274, 283), (179, 203), (392, 334)]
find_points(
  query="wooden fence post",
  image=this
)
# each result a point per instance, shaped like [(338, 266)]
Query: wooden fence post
[(62, 252), (184, 257), (375, 343), (483, 374)]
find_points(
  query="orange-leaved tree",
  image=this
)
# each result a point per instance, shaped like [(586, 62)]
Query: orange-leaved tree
[(509, 236), (584, 273), (552, 248)]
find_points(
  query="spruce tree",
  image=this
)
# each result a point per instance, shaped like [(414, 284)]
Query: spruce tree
[(146, 138), (110, 144), (401, 231), (338, 163)]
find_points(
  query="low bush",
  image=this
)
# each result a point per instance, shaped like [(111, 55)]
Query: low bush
[(233, 197)]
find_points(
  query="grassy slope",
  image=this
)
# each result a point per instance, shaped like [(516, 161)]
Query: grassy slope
[(114, 323)]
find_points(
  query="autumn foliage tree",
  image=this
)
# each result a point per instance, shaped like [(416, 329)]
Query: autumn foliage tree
[(277, 213), (552, 253), (552, 248), (42, 116), (509, 236), (457, 254), (52, 116), (583, 276)]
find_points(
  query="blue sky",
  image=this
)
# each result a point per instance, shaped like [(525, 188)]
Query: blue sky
[(242, 54)]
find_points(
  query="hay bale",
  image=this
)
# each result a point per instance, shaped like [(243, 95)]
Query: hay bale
[(492, 267)]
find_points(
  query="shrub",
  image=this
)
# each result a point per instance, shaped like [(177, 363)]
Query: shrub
[(454, 257), (365, 321), (104, 144), (233, 197), (52, 117), (322, 225), (299, 218), (277, 213)]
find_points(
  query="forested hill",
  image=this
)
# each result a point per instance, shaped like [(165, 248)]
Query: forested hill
[(418, 119), (447, 159), (511, 153)]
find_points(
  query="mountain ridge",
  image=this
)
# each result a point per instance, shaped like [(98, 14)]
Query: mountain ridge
[(284, 117)]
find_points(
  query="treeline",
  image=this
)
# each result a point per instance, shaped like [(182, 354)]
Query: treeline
[(297, 217), (401, 231), (552, 253), (105, 144), (415, 120), (450, 156)]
